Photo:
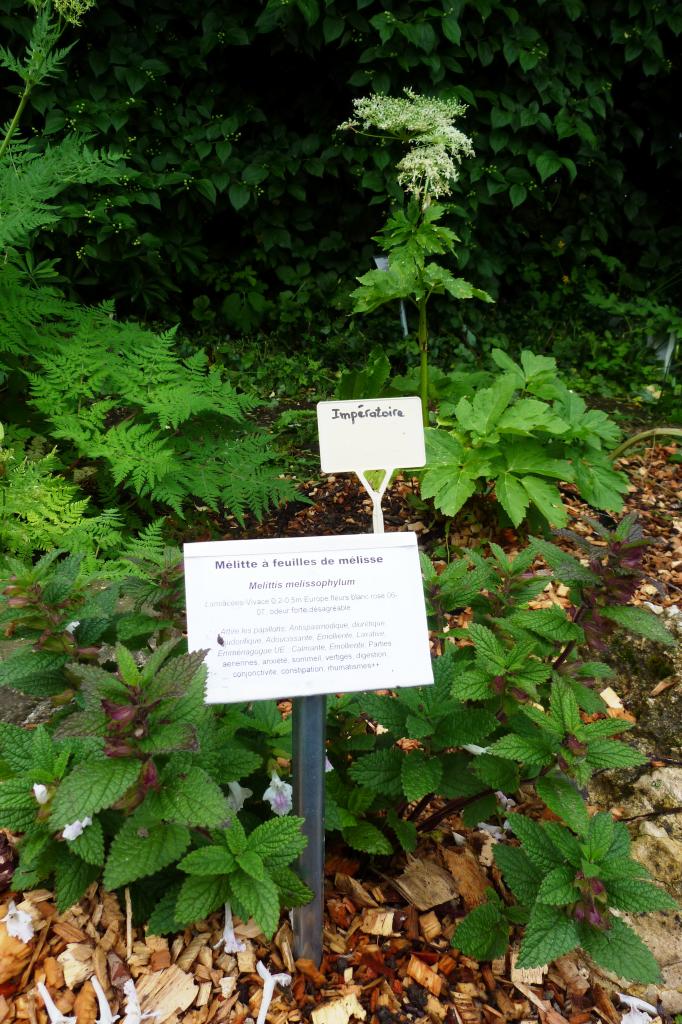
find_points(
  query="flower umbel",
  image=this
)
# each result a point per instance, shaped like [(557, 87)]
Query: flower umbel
[(279, 795), (18, 923), (430, 167)]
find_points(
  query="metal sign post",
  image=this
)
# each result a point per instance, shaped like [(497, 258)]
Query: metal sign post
[(385, 429)]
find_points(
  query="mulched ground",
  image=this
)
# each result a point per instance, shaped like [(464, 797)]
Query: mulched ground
[(387, 953)]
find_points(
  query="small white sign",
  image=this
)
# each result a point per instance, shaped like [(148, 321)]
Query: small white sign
[(376, 433), (300, 616)]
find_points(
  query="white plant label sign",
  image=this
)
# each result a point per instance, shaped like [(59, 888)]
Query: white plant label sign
[(376, 433), (293, 617)]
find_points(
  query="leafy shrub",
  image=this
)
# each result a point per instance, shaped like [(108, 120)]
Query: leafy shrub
[(130, 410), (560, 111), (506, 708), (521, 433)]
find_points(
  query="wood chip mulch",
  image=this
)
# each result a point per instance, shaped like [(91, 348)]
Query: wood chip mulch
[(387, 952)]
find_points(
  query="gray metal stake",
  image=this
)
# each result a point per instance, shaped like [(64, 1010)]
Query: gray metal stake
[(308, 749)]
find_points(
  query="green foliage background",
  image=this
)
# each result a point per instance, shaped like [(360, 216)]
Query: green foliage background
[(241, 199)]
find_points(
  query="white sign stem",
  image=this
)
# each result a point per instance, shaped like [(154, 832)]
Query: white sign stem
[(376, 496)]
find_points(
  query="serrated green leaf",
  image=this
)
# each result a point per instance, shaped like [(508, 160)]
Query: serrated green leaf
[(536, 844), (496, 772), (564, 841), (637, 896), (261, 900), (558, 887), (193, 799), (550, 623), (251, 864), (520, 874), (18, 805), (278, 840), (90, 787), (599, 836), (564, 799), (640, 621), (292, 891), (512, 497), (208, 860), (483, 934), (138, 851), (366, 837), (72, 877), (620, 950), (549, 934), (89, 845), (406, 831), (162, 918), (420, 774), (520, 748), (200, 895), (379, 771), (612, 754)]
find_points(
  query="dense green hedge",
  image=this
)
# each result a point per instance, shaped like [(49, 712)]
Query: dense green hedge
[(237, 186)]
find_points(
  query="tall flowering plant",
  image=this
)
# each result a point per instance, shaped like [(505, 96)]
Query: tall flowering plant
[(413, 234)]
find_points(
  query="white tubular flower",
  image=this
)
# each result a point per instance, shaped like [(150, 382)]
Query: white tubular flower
[(40, 793), (279, 795), (18, 923), (269, 982), (133, 1012), (473, 748), (328, 766), (639, 1012), (228, 938), (105, 1014), (238, 796), (56, 1016), (76, 828)]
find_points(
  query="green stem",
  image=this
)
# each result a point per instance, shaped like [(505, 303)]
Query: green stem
[(423, 339), (642, 436), (17, 117)]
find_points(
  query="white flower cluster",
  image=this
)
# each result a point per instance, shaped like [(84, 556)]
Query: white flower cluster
[(73, 10), (430, 167)]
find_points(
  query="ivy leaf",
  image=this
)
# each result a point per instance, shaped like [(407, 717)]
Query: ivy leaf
[(137, 851)]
